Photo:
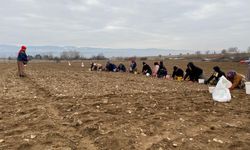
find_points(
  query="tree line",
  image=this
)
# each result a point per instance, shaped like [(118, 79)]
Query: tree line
[(231, 50), (65, 55), (75, 55)]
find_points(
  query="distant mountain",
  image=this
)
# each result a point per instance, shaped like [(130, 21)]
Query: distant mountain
[(10, 50)]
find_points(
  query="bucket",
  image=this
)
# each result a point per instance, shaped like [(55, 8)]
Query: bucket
[(201, 80), (179, 78), (211, 89), (247, 87)]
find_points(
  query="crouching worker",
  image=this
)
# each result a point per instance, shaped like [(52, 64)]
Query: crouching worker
[(162, 72), (133, 68), (156, 69), (22, 60), (238, 80), (193, 72), (146, 69), (121, 68), (111, 67), (177, 73), (95, 67), (215, 76)]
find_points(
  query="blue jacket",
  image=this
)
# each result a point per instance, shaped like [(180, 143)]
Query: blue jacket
[(111, 67), (133, 65), (22, 57)]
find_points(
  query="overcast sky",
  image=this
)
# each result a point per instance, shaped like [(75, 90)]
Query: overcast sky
[(175, 24)]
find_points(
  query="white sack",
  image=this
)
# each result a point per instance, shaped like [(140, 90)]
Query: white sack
[(221, 92)]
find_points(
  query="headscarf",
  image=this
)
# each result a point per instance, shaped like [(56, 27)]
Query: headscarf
[(22, 49), (191, 65), (231, 74), (161, 64), (217, 69)]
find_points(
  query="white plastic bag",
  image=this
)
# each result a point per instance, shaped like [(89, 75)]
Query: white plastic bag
[(221, 92)]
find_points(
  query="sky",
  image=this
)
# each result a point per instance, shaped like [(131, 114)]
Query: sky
[(170, 24)]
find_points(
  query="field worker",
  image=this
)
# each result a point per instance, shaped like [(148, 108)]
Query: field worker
[(193, 72), (162, 72), (248, 68), (238, 80), (146, 69), (215, 76), (111, 67), (177, 73), (99, 67), (95, 67), (187, 74), (133, 66), (22, 60), (156, 68), (121, 68)]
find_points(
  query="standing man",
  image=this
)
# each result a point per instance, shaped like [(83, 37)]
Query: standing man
[(22, 59)]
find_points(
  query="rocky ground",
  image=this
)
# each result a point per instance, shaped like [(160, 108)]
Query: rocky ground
[(65, 107)]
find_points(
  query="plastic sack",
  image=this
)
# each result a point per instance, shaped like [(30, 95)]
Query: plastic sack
[(221, 92)]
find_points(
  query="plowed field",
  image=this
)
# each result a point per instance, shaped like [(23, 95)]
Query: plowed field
[(65, 107)]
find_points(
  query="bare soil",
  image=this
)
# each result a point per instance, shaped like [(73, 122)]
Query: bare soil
[(63, 107)]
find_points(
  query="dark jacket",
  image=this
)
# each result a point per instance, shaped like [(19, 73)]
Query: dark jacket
[(133, 65), (187, 74), (111, 67), (216, 75), (22, 57), (162, 72), (121, 68), (178, 73), (193, 72), (146, 69)]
